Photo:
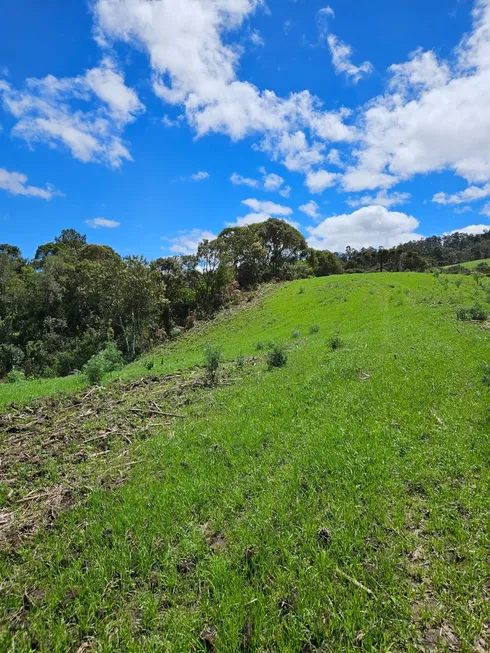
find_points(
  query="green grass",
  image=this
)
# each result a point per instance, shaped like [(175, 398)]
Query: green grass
[(472, 264), (339, 503)]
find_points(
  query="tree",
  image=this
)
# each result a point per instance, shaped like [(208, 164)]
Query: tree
[(324, 263), (282, 243)]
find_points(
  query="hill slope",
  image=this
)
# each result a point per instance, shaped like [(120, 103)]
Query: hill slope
[(336, 503)]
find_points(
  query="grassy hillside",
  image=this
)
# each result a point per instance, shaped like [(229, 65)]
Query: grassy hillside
[(473, 264), (339, 503)]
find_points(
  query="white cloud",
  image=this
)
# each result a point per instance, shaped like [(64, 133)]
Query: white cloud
[(194, 64), (341, 59), (486, 210), (238, 180), (340, 51), (434, 118), (97, 223), (333, 157), (256, 38), (169, 122), (269, 182), (321, 179), (267, 207), (187, 242), (311, 209), (474, 229), (369, 226), (199, 176), (381, 199), (272, 181), (463, 209), (15, 183), (48, 110), (470, 194)]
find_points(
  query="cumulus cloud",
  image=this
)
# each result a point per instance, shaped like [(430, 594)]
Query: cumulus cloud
[(238, 180), (369, 226), (341, 52), (187, 242), (271, 208), (341, 59), (194, 64), (311, 209), (382, 199), (102, 223), (434, 118), (199, 176), (15, 183), (269, 182), (272, 181), (486, 209), (473, 229), (318, 181), (470, 194), (47, 110)]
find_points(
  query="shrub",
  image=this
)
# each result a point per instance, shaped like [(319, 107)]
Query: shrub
[(475, 312), (175, 333), (277, 356), (314, 328), (108, 360), (458, 281), (295, 334), (10, 357), (301, 290), (150, 365), (336, 342), (259, 346), (240, 361), (15, 376), (486, 374), (213, 355)]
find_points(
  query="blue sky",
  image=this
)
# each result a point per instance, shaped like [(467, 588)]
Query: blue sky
[(151, 124)]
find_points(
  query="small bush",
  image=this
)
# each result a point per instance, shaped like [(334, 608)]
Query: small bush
[(458, 281), (336, 342), (295, 334), (150, 365), (108, 360), (213, 355), (175, 333), (301, 290), (475, 312), (277, 356), (259, 346), (15, 376), (486, 374), (240, 361), (314, 328)]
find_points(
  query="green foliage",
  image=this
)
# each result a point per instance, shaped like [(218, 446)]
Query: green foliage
[(458, 281), (295, 334), (336, 342), (108, 360), (15, 376), (486, 374), (475, 312), (259, 346), (175, 333), (10, 357), (314, 328), (213, 355), (277, 356)]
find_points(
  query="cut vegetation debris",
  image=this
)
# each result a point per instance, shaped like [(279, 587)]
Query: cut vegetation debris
[(336, 503)]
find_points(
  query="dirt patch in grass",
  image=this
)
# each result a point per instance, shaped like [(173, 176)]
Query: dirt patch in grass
[(55, 451)]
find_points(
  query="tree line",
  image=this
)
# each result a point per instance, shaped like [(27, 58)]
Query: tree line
[(65, 305)]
